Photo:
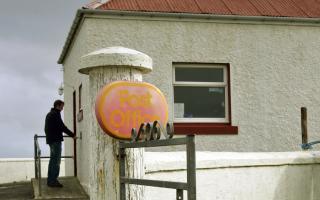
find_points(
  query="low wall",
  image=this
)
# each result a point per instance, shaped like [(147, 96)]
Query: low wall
[(240, 176), (220, 176), (22, 169)]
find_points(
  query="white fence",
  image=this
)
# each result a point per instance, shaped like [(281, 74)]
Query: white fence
[(22, 169)]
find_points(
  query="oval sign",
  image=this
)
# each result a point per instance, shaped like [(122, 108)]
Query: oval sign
[(122, 105)]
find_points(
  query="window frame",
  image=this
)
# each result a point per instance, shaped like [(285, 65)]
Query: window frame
[(225, 84), (80, 102), (80, 97)]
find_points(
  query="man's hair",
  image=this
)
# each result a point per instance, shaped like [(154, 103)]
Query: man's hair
[(57, 103)]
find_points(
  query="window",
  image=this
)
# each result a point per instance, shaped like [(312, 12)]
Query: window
[(202, 97), (200, 93), (80, 95), (80, 113)]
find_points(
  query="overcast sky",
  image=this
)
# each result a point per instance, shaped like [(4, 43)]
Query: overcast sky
[(32, 34)]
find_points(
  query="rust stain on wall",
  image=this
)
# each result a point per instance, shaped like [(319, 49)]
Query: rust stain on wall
[(101, 179)]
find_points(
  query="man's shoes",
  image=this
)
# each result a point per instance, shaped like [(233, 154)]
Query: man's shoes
[(55, 184)]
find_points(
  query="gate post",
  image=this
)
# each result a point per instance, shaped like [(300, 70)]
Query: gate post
[(104, 66)]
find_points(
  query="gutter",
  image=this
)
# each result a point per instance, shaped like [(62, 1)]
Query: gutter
[(82, 12)]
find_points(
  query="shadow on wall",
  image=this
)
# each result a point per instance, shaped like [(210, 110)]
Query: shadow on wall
[(298, 182), (244, 176)]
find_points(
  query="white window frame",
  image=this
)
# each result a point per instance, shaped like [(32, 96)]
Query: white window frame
[(204, 84)]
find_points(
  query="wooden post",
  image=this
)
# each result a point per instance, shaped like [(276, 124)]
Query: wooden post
[(105, 66), (304, 125)]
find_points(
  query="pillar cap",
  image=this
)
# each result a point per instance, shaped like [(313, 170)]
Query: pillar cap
[(115, 57)]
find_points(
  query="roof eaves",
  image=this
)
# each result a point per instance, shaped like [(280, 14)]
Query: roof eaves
[(69, 39), (81, 12)]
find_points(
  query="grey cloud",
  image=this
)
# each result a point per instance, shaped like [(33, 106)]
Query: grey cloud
[(44, 21), (28, 60), (32, 34)]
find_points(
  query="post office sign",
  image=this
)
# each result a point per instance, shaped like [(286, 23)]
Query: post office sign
[(123, 105)]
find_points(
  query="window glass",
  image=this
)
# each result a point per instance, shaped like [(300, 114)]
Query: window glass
[(199, 74), (199, 102)]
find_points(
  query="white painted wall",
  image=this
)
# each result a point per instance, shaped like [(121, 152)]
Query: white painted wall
[(275, 69), (22, 169), (73, 79), (240, 176), (268, 63)]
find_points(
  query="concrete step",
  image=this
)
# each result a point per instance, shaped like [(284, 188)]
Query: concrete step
[(71, 189)]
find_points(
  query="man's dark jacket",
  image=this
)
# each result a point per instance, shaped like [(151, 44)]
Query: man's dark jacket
[(54, 127)]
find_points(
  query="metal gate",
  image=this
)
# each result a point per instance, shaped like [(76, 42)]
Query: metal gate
[(149, 135)]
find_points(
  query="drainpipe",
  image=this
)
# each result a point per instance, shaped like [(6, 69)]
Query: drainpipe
[(105, 66)]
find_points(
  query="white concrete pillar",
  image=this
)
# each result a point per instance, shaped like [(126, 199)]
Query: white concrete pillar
[(104, 66)]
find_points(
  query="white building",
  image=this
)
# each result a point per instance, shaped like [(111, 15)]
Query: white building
[(236, 74)]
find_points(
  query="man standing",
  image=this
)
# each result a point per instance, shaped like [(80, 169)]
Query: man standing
[(54, 127)]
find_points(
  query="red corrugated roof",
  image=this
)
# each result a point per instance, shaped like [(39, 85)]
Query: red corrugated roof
[(217, 7), (241, 7), (265, 8), (287, 8), (280, 8), (154, 5), (309, 7)]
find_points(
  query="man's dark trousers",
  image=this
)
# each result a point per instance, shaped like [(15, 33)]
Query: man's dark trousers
[(54, 163)]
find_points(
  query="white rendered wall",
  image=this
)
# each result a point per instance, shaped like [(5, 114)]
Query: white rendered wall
[(275, 70), (73, 79), (240, 176), (22, 169)]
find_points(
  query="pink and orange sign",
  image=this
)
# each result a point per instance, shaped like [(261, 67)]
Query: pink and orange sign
[(123, 105)]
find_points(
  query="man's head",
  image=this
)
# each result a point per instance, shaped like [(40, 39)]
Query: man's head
[(58, 104)]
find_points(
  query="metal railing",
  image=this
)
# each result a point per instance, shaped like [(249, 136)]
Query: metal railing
[(38, 157), (149, 136), (37, 162)]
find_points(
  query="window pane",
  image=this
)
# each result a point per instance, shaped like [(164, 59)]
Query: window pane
[(199, 102), (199, 74)]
